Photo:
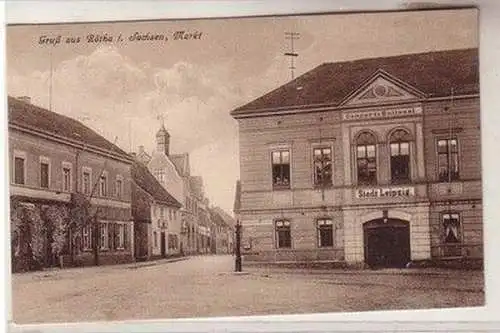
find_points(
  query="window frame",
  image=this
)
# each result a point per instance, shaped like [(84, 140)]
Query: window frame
[(281, 150), (104, 175), (276, 233), (119, 181), (87, 239), (448, 154), (103, 236), (459, 229), (87, 170), (322, 147), (19, 155), (405, 138), (320, 226), (67, 166), (366, 157), (45, 160), (121, 236)]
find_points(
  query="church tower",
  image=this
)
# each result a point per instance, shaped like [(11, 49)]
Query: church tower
[(163, 141)]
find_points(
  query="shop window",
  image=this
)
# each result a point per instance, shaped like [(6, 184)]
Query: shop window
[(281, 169), (366, 158), (400, 156), (447, 150), (322, 166), (283, 234), (325, 232)]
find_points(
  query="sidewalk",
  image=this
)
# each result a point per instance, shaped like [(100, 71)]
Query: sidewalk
[(355, 271), (58, 273)]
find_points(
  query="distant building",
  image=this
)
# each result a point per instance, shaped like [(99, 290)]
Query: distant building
[(173, 172), (156, 216), (373, 162), (70, 192), (223, 230)]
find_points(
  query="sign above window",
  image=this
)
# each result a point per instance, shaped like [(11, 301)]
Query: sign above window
[(385, 192), (389, 113)]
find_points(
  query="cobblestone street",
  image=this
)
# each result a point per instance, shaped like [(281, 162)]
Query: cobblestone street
[(205, 287)]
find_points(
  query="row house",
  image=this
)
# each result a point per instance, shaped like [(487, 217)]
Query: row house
[(372, 162), (70, 191), (173, 172), (156, 216)]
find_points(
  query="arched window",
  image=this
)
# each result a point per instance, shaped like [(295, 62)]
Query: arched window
[(400, 156), (366, 160)]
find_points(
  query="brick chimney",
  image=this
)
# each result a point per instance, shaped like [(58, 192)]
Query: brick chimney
[(25, 99)]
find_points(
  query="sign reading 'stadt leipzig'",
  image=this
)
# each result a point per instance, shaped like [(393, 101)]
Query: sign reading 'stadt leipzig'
[(385, 192), (382, 113)]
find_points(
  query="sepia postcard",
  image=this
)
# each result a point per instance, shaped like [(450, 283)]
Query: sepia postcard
[(249, 166)]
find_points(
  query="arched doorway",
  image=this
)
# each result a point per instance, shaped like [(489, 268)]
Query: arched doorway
[(387, 242)]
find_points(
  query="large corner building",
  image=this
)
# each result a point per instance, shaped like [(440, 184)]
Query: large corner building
[(372, 161)]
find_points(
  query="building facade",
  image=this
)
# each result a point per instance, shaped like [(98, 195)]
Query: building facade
[(70, 192), (223, 231), (373, 162), (156, 216)]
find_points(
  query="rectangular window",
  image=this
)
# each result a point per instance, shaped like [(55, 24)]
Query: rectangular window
[(322, 166), (283, 234), (155, 239), (367, 164), (44, 174), (400, 162), (447, 150), (66, 179), (119, 188), (325, 232), (451, 227), (86, 183), (120, 244), (103, 236), (103, 185), (281, 168), (87, 237), (19, 170)]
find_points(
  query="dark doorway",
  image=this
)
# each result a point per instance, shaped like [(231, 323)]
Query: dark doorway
[(163, 245), (387, 243)]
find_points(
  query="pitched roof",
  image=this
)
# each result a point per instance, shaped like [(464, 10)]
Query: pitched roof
[(144, 179), (226, 218), (181, 162), (433, 73), (42, 120)]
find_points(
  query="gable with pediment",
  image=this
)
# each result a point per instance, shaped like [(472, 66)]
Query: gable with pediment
[(382, 88)]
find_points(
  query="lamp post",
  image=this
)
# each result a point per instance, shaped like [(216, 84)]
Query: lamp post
[(238, 245)]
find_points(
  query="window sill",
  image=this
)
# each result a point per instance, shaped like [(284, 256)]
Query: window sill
[(281, 188)]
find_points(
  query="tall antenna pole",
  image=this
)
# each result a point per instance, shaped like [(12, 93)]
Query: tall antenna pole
[(292, 36)]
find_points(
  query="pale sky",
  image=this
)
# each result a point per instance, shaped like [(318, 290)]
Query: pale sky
[(120, 88)]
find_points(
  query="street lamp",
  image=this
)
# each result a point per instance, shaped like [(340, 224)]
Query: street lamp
[(238, 246)]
